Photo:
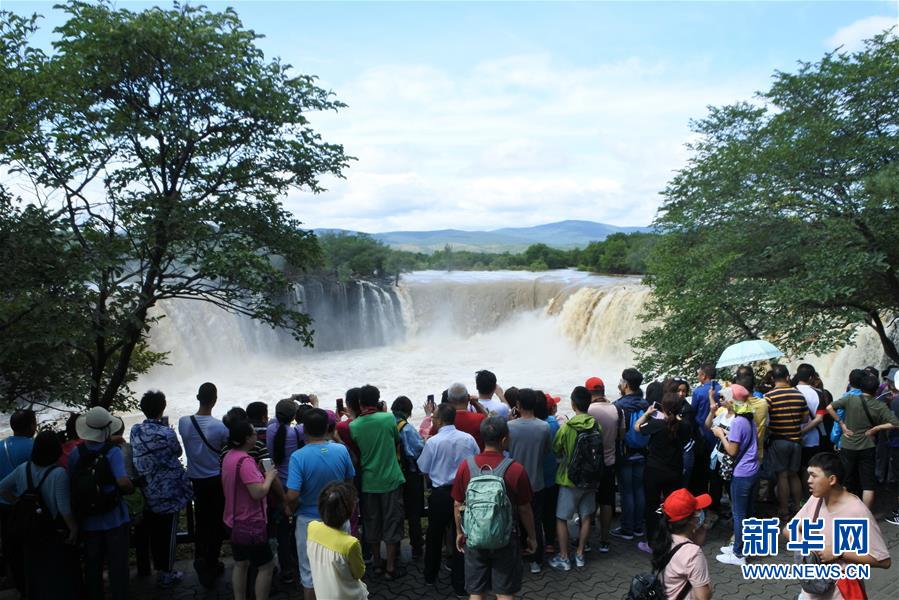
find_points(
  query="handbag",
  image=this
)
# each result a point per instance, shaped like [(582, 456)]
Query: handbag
[(249, 532), (814, 586)]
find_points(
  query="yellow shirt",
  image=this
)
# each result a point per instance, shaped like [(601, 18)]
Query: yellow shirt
[(760, 416), (335, 559)]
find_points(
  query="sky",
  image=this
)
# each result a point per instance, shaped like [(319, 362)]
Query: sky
[(480, 115)]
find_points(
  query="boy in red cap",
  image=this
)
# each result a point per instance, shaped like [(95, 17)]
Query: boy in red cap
[(678, 553), (606, 414)]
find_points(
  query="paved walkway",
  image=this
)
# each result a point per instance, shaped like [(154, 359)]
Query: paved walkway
[(604, 576)]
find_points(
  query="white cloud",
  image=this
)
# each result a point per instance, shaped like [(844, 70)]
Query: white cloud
[(521, 140), (851, 36)]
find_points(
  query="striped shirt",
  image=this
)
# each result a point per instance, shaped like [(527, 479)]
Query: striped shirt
[(787, 411)]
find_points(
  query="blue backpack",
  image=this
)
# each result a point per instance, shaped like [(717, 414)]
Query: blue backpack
[(632, 439)]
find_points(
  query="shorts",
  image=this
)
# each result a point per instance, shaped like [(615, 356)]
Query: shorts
[(259, 555), (605, 493), (383, 516), (499, 571), (785, 455), (859, 467), (575, 500)]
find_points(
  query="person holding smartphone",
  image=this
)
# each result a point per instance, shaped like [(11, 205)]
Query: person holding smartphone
[(429, 407), (156, 454), (665, 457), (246, 511)]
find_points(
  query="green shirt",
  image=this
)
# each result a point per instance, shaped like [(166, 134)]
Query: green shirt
[(376, 436), (563, 444), (857, 421)]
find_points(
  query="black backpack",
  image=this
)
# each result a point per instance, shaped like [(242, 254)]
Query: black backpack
[(90, 476), (649, 586), (30, 518), (587, 459)]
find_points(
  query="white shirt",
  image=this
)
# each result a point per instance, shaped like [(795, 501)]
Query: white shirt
[(496, 406), (812, 437)]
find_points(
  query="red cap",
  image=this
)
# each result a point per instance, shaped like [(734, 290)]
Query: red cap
[(680, 504), (595, 384), (550, 399)]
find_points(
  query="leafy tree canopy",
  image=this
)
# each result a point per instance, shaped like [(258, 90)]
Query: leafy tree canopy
[(158, 143), (783, 223)]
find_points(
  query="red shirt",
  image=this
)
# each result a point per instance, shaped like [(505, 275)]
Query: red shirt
[(343, 432), (470, 423), (518, 486), (67, 449)]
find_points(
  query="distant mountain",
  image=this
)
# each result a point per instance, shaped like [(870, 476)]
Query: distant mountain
[(564, 234)]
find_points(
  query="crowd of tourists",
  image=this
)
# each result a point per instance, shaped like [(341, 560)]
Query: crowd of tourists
[(323, 499)]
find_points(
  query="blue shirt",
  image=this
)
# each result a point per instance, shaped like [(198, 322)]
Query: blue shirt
[(119, 515), (155, 452), (314, 466), (14, 450), (443, 452), (700, 404), (413, 444), (550, 462), (203, 461), (54, 489)]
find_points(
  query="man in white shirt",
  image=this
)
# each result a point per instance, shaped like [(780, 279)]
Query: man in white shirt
[(485, 381), (439, 460), (203, 437), (811, 431)]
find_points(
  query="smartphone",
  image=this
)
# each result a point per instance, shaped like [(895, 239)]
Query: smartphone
[(165, 420), (340, 409), (431, 399), (267, 464)]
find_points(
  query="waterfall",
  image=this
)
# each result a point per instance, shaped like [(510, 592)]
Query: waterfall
[(602, 320), (594, 315)]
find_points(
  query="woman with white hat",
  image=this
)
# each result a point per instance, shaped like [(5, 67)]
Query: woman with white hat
[(98, 479)]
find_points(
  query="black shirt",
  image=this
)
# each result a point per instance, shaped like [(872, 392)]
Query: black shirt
[(665, 451)]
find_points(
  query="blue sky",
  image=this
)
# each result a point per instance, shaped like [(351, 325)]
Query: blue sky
[(482, 115)]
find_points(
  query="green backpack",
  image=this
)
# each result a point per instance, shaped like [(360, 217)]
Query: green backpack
[(487, 520)]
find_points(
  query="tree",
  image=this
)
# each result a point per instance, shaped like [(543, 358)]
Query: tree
[(351, 255), (782, 225), (159, 143)]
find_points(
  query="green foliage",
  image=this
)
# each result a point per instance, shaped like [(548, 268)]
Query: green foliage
[(782, 225), (159, 143), (349, 256), (620, 253)]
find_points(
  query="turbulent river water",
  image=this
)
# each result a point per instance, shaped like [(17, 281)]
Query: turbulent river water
[(544, 330)]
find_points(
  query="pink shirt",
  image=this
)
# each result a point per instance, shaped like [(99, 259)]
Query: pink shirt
[(607, 415), (850, 508), (687, 564), (242, 506)]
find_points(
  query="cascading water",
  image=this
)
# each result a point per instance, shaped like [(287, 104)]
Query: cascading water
[(545, 330)]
